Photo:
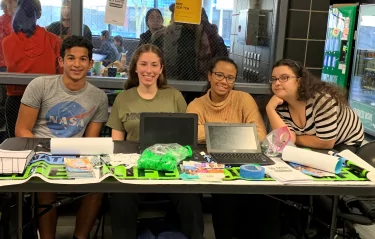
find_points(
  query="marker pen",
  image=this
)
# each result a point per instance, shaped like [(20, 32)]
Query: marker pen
[(363, 172)]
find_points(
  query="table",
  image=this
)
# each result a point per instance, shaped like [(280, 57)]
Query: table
[(179, 186)]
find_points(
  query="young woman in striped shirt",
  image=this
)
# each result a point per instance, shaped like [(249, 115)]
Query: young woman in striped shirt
[(316, 113)]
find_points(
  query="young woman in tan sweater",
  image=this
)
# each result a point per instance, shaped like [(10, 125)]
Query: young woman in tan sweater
[(225, 105)]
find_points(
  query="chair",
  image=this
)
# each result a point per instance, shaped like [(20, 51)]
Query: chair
[(355, 223), (348, 211), (366, 230), (367, 153), (31, 206)]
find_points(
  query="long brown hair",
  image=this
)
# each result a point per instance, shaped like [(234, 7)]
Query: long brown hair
[(310, 85), (133, 80)]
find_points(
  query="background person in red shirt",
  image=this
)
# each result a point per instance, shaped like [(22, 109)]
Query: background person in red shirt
[(8, 7), (28, 49)]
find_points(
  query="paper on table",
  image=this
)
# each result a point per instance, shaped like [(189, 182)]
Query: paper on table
[(349, 155), (284, 173), (81, 146), (312, 159), (14, 161)]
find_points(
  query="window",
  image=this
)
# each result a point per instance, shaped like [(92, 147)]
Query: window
[(94, 10), (51, 12)]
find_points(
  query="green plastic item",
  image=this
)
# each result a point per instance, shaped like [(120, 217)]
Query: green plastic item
[(163, 157)]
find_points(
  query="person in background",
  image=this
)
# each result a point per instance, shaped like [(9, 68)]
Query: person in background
[(28, 49), (107, 48), (154, 22), (8, 7), (317, 113), (222, 104), (197, 45), (62, 28), (166, 39), (119, 43), (146, 90), (65, 106)]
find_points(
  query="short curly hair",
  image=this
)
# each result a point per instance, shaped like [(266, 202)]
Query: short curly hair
[(310, 85), (76, 41)]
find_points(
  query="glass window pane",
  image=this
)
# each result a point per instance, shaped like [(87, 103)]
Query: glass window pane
[(93, 15), (56, 18), (187, 48), (51, 12)]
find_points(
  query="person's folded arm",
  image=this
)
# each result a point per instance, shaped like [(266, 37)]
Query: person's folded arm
[(275, 119), (312, 141), (276, 122), (27, 117)]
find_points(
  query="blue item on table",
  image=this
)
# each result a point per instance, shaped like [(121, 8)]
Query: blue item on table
[(252, 171)]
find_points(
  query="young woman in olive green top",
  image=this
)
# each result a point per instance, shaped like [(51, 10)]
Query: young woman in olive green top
[(146, 90)]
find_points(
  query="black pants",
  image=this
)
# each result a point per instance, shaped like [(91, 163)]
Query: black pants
[(124, 214), (245, 216), (12, 106)]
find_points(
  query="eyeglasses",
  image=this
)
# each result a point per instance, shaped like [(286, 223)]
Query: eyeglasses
[(220, 76), (281, 79)]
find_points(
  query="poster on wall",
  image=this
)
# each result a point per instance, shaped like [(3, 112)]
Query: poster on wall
[(367, 115), (362, 83), (115, 11), (339, 44), (188, 11)]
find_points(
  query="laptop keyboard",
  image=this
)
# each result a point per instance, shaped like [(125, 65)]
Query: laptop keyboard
[(241, 158)]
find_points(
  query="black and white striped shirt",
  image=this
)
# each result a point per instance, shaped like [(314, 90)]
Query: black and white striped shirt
[(327, 120)]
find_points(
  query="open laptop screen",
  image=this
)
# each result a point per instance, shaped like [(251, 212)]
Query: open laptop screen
[(160, 128), (232, 138)]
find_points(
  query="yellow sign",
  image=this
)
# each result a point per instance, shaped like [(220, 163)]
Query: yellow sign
[(188, 11)]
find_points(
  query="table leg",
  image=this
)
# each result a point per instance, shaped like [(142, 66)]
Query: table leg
[(19, 212), (334, 217)]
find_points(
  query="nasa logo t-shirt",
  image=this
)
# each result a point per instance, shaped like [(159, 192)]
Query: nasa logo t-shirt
[(64, 113)]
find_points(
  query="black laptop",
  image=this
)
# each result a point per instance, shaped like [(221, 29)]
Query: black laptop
[(164, 128), (235, 144)]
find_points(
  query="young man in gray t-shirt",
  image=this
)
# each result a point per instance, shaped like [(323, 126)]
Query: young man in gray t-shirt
[(65, 106)]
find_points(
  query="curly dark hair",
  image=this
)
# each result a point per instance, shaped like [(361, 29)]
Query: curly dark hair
[(310, 85), (133, 80), (76, 41)]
